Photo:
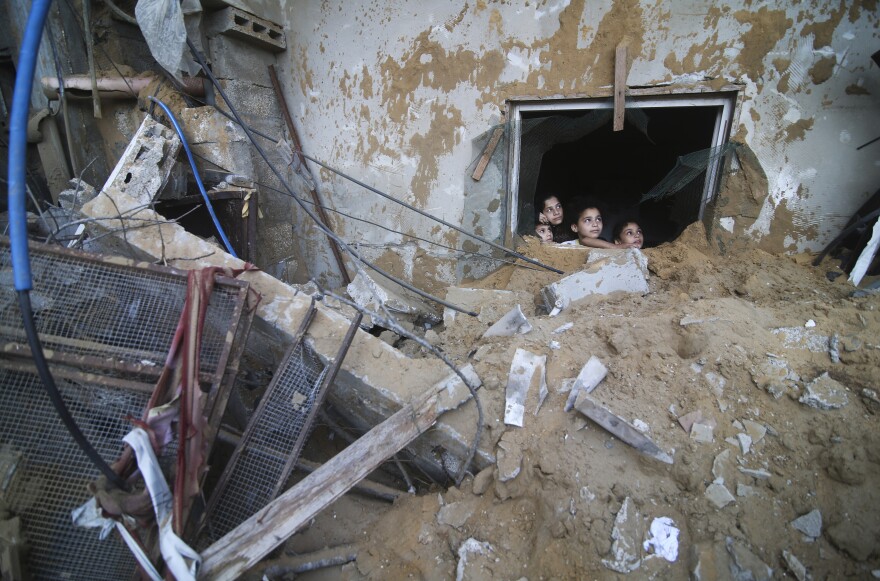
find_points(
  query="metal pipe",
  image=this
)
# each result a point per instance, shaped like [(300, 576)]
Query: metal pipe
[(312, 190)]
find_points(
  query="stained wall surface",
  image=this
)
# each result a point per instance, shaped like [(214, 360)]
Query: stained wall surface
[(400, 95)]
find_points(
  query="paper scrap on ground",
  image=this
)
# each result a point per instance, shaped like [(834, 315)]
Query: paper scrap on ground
[(663, 539)]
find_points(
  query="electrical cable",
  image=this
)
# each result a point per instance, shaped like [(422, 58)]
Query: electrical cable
[(195, 170), (21, 267), (198, 56), (427, 215)]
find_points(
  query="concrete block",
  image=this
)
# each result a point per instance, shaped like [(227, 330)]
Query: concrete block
[(252, 29), (234, 58), (607, 271), (218, 139)]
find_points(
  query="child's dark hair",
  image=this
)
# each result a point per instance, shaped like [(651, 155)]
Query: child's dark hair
[(618, 228), (578, 205), (542, 199)]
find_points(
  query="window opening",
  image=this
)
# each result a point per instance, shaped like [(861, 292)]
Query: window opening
[(661, 170)]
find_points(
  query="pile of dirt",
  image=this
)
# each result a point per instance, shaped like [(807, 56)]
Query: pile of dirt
[(746, 340)]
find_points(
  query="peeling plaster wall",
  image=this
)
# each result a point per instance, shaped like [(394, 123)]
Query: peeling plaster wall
[(396, 93)]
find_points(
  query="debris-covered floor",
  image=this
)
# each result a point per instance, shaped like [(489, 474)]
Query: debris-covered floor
[(740, 339)]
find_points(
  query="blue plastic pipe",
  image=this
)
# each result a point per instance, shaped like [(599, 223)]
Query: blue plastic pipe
[(21, 101), (192, 163)]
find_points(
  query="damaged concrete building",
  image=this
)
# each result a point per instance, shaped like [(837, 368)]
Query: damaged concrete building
[(365, 180)]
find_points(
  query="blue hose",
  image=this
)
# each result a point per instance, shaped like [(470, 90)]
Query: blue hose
[(21, 101), (192, 163)]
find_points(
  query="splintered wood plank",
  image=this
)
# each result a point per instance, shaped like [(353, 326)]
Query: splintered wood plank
[(620, 73), (487, 153), (256, 537)]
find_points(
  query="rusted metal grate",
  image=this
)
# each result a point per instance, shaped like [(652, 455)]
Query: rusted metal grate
[(270, 446), (106, 326)]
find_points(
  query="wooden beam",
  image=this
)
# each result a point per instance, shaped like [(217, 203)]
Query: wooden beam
[(620, 73), (247, 544), (487, 153)]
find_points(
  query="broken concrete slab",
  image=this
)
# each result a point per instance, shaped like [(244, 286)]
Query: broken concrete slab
[(626, 551), (525, 369), (619, 427), (824, 393), (802, 338), (372, 294), (375, 379), (512, 323), (490, 305), (509, 460), (810, 524), (607, 271), (145, 164), (591, 374), (755, 430)]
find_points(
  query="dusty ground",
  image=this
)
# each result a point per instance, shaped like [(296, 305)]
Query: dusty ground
[(702, 340)]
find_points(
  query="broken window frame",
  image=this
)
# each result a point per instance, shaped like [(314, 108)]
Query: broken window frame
[(727, 99)]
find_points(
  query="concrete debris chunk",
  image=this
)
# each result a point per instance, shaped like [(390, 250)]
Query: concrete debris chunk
[(79, 193), (745, 442), (745, 564), (824, 393), (514, 322), (810, 524), (710, 562), (755, 430), (723, 468), (592, 373), (525, 369), (759, 474), (370, 294), (775, 376), (626, 536), (474, 558), (719, 495), (796, 567), (688, 420), (455, 514), (744, 491), (702, 433), (509, 460), (489, 304), (607, 271), (802, 338)]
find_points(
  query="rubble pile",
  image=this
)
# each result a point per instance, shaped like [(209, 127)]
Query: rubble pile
[(773, 448)]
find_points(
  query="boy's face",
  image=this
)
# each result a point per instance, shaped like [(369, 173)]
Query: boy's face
[(589, 224), (553, 210), (544, 232), (632, 235)]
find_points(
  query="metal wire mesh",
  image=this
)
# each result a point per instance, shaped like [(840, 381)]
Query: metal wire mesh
[(92, 310), (251, 479), (89, 308), (47, 473)]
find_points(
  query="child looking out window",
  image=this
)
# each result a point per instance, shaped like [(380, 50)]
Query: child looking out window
[(629, 234)]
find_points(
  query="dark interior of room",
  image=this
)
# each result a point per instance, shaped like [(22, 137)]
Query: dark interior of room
[(618, 168)]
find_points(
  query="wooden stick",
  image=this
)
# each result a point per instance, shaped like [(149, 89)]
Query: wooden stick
[(256, 537), (487, 153), (620, 73)]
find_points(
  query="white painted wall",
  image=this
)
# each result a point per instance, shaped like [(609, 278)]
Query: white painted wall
[(395, 92)]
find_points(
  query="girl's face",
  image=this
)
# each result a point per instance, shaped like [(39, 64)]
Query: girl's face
[(553, 210), (589, 224), (544, 232), (632, 235)]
